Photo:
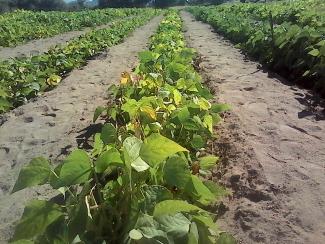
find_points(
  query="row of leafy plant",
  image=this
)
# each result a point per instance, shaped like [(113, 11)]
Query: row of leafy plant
[(300, 12), (22, 26), (295, 51), (141, 183), (23, 78)]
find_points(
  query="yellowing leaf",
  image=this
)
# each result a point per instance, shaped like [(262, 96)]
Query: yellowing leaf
[(54, 80), (125, 78), (177, 97), (149, 111)]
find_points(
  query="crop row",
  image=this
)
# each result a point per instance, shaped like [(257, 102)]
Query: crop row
[(22, 26), (300, 12), (141, 183), (295, 51), (23, 78)]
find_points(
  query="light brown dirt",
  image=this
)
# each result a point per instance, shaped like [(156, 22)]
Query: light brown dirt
[(273, 145), (57, 122)]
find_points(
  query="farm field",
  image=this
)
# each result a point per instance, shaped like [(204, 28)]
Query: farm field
[(289, 38), (155, 127)]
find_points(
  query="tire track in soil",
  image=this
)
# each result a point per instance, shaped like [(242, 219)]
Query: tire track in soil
[(40, 46), (54, 124), (272, 143)]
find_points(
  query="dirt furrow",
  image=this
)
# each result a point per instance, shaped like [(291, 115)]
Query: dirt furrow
[(273, 142), (57, 122)]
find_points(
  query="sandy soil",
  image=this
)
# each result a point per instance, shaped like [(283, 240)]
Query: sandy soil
[(39, 46), (57, 122), (273, 145)]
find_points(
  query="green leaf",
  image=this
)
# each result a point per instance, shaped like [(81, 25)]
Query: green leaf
[(225, 238), (98, 145), (148, 56), (99, 110), (193, 235), (139, 165), (131, 106), (131, 149), (5, 105), (157, 148), (197, 142), (108, 134), (75, 169), (37, 172), (23, 242), (218, 190), (154, 194), (199, 191), (183, 114), (219, 108), (208, 162), (176, 225), (106, 159), (135, 234), (314, 52), (176, 172), (174, 206), (37, 216)]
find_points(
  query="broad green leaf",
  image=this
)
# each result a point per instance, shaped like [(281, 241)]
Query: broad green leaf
[(135, 234), (176, 172), (225, 238), (314, 52), (5, 105), (218, 190), (157, 148), (37, 172), (23, 242), (199, 191), (132, 146), (174, 206), (98, 145), (139, 165), (148, 56), (154, 194), (37, 216), (131, 106), (75, 169), (108, 134), (99, 110), (219, 108), (106, 159), (193, 235), (176, 225), (197, 142), (183, 114), (208, 162)]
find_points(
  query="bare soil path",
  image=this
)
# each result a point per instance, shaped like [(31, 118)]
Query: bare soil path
[(40, 46), (274, 142), (55, 123)]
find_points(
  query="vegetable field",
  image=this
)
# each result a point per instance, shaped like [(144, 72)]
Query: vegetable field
[(288, 37), (155, 129)]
